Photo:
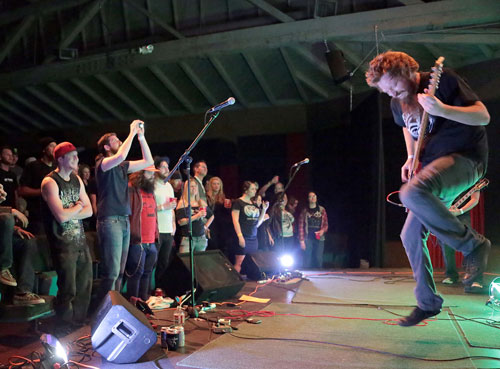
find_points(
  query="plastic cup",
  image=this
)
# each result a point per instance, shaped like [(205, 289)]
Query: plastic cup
[(317, 235)]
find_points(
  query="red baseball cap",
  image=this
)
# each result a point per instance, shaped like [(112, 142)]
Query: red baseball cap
[(63, 148)]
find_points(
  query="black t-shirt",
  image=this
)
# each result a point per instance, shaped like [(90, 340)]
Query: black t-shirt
[(32, 177), (445, 136), (313, 219), (249, 217), (69, 234), (112, 190), (198, 224), (10, 185)]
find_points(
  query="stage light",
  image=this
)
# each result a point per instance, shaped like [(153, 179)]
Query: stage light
[(494, 293), (286, 261), (55, 355)]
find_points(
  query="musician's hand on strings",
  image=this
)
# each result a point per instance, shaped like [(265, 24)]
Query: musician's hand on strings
[(405, 170), (431, 104)]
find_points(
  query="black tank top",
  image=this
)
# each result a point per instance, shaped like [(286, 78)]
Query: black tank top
[(69, 234)]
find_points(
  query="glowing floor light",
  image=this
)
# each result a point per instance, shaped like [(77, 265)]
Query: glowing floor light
[(494, 293), (286, 261), (55, 354)]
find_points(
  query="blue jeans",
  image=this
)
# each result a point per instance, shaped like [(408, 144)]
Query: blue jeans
[(7, 222), (428, 196), (313, 254), (199, 244), (449, 253), (140, 263), (114, 239)]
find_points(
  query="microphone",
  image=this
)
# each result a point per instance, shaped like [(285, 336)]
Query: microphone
[(222, 105), (300, 163)]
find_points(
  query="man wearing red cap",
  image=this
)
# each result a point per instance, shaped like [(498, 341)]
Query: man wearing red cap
[(65, 205)]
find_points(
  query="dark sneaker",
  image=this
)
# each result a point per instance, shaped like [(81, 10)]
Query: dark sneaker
[(28, 298), (475, 287), (416, 316), (7, 278), (476, 263)]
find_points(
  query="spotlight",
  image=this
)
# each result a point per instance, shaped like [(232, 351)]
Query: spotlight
[(286, 261), (148, 49), (55, 355), (494, 293)]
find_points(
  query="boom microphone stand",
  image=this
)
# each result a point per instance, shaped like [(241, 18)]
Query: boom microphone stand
[(214, 113), (291, 176)]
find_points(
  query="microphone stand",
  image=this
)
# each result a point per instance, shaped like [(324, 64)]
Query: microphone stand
[(291, 176), (186, 158)]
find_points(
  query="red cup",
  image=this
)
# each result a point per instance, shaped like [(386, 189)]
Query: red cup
[(317, 235)]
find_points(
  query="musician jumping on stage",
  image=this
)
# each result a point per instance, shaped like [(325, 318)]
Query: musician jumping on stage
[(454, 158)]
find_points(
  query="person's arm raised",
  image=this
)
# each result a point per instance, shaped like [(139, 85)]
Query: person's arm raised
[(147, 158), (112, 161)]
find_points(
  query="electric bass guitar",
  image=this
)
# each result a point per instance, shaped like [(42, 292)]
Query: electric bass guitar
[(477, 187), (424, 121)]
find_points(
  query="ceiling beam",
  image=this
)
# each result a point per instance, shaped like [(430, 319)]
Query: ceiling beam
[(313, 85), (98, 99), (271, 10), (15, 36), (35, 108), (198, 83), (153, 98), (412, 19), (121, 95), (38, 9), (76, 27), (171, 86), (219, 67), (13, 123), (76, 102), (157, 19), (293, 73), (19, 113), (54, 105), (260, 78)]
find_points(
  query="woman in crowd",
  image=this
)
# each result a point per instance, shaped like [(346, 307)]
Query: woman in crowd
[(246, 219), (199, 213), (263, 233), (89, 224), (313, 224), (282, 226), (220, 230)]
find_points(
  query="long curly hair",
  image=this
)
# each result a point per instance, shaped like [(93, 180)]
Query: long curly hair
[(394, 63), (215, 198)]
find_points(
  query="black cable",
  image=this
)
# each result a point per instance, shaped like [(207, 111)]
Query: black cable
[(475, 357)]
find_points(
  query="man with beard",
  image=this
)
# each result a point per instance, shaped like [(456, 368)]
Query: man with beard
[(143, 233), (453, 159), (165, 205), (200, 170), (31, 180), (65, 205), (113, 203)]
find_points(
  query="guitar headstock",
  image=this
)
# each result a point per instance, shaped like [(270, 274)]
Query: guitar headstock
[(437, 69)]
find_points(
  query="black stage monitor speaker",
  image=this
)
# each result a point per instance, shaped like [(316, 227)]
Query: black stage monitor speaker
[(120, 332), (260, 265), (216, 279)]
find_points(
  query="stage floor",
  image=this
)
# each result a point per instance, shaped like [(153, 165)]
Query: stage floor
[(333, 319)]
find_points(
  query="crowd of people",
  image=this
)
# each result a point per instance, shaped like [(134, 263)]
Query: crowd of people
[(142, 214)]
